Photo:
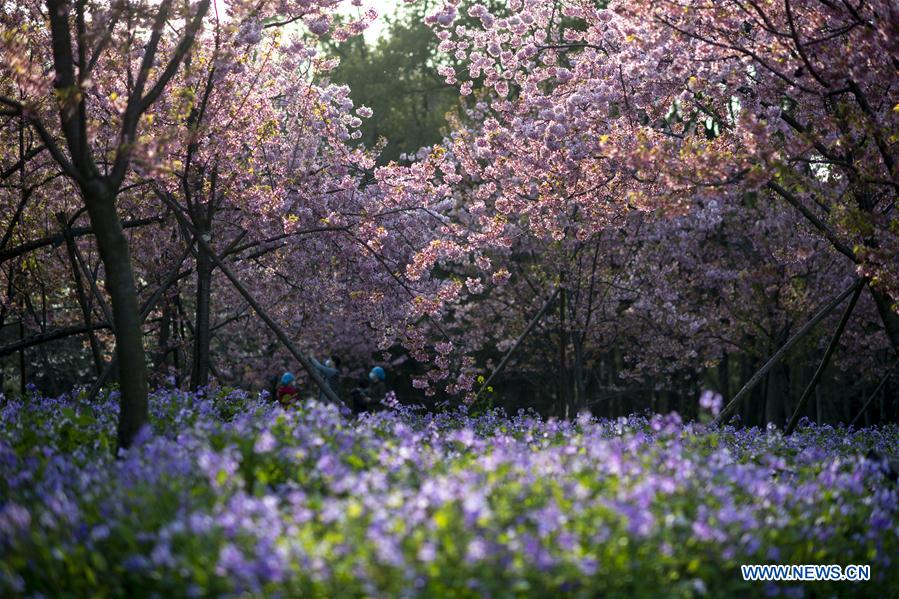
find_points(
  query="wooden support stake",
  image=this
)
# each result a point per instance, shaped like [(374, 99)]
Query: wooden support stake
[(82, 297), (527, 330), (794, 420), (144, 313), (260, 311), (731, 407), (880, 385)]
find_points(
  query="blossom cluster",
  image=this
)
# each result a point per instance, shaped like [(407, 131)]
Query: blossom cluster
[(227, 494)]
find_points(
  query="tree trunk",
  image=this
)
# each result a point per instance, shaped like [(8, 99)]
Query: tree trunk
[(775, 404), (722, 376), (873, 395), (819, 408), (563, 371), (181, 357), (161, 360), (579, 373), (119, 283), (200, 372), (23, 375), (889, 316), (271, 323)]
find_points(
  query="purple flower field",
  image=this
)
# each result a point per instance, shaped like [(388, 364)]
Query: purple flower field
[(230, 495)]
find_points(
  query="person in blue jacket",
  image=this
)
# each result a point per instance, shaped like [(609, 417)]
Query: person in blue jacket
[(330, 371), (378, 389), (377, 374), (369, 392)]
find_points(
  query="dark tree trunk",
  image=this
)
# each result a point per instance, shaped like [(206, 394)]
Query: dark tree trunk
[(724, 377), (819, 408), (579, 373), (202, 333), (745, 372), (889, 316), (161, 361), (23, 374), (180, 357), (563, 370), (271, 323), (760, 375), (100, 189), (775, 404), (119, 283), (778, 388), (819, 372), (505, 359)]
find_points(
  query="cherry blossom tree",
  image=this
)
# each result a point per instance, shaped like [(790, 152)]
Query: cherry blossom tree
[(590, 113), (111, 64)]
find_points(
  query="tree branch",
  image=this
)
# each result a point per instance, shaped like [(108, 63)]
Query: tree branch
[(819, 224), (57, 238)]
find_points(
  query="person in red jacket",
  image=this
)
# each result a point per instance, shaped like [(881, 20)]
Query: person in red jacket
[(287, 394)]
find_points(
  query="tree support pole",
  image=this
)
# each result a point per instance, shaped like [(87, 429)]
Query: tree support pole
[(794, 420), (274, 326), (95, 289), (880, 385), (502, 363), (82, 297), (144, 313), (731, 407)]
